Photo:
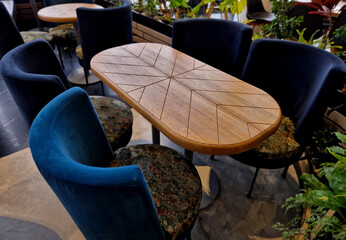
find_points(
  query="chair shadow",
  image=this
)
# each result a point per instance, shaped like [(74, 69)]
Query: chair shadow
[(14, 229)]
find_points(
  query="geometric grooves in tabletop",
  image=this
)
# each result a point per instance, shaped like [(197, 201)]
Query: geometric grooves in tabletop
[(166, 60), (135, 49), (231, 127), (183, 63), (154, 96), (203, 120), (177, 106), (133, 80), (150, 53), (258, 119)]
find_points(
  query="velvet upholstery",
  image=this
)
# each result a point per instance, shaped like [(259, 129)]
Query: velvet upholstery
[(71, 151), (34, 76), (220, 43), (63, 34), (302, 79), (47, 3), (10, 36), (100, 29)]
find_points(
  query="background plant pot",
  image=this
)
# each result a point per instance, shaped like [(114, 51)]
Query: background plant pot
[(145, 29), (153, 24)]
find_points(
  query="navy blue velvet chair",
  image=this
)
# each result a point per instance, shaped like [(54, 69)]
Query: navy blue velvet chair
[(302, 79), (10, 36), (106, 195), (100, 29), (220, 43), (33, 75), (63, 34)]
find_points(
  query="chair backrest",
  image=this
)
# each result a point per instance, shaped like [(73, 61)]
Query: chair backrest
[(301, 78), (220, 43), (100, 29), (254, 6), (34, 76), (47, 3), (72, 153), (312, 22), (10, 36)]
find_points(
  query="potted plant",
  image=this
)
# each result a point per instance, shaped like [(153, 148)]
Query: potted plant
[(324, 201)]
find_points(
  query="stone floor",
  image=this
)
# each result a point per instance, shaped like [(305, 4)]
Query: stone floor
[(30, 210)]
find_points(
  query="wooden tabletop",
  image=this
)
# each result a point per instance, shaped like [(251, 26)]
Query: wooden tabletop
[(195, 105), (63, 13)]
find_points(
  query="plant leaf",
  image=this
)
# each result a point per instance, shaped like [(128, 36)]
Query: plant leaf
[(325, 199), (310, 181), (341, 136)]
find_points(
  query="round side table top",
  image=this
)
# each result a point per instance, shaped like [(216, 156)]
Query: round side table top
[(63, 13)]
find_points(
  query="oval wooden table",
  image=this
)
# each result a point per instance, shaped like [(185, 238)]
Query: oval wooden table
[(196, 106), (66, 13)]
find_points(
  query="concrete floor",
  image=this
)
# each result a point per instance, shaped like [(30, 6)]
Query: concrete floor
[(30, 210)]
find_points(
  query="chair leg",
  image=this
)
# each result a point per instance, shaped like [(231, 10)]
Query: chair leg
[(60, 56), (212, 157), (102, 88), (86, 73), (299, 174), (284, 173), (155, 133), (248, 195)]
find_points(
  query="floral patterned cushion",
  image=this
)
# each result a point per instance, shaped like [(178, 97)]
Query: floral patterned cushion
[(63, 33), (116, 118), (34, 35), (278, 148), (79, 52), (173, 181)]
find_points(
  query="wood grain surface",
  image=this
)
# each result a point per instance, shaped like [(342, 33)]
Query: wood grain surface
[(195, 105), (63, 13)]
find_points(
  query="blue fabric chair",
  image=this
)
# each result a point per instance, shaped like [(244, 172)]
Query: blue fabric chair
[(106, 201), (220, 43), (100, 29), (10, 36), (302, 79), (33, 75)]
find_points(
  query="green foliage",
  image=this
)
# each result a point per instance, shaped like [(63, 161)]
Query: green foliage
[(235, 6), (340, 33), (150, 7), (301, 38), (282, 27), (322, 193)]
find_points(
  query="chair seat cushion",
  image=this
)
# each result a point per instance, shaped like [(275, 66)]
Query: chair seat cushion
[(173, 181), (116, 118), (276, 151), (64, 34), (79, 52), (29, 36)]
